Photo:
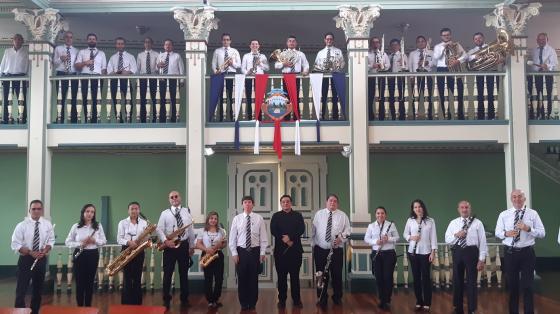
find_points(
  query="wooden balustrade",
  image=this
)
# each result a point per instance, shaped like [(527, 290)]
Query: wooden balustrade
[(13, 97), (543, 98)]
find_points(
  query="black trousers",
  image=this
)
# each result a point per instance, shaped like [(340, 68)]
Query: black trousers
[(428, 99), (451, 86), (382, 269), (248, 276), (421, 272), (376, 85), (288, 263), (64, 84), (180, 256), (123, 88), (24, 275), (490, 80), (392, 83), (214, 278), (132, 277), (539, 82), (153, 91), (320, 256), (249, 82), (520, 262), (465, 259), (95, 83), (229, 99), (85, 267), (324, 100), (173, 100), (16, 86)]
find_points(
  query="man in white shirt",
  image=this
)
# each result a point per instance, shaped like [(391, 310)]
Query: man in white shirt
[(121, 63), (329, 59), (544, 59), (378, 61), (519, 227), (169, 63), (248, 240), (63, 61), (15, 62), (468, 245), (299, 66), (33, 238), (331, 227), (226, 60), (478, 40), (253, 63), (420, 60), (397, 63), (91, 61), (147, 65)]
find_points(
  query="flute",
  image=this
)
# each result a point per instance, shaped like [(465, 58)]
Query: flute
[(81, 249), (37, 259)]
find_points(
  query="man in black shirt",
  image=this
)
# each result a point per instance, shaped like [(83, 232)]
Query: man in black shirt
[(287, 227)]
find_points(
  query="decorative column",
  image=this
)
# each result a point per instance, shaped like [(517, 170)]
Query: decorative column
[(43, 25), (513, 18), (196, 25)]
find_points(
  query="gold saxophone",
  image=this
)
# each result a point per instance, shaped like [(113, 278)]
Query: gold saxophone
[(452, 52), (208, 259), (496, 53), (143, 242), (174, 236)]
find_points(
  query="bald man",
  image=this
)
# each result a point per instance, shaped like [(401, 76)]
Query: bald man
[(518, 227)]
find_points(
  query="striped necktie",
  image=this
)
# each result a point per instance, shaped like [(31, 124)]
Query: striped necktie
[(166, 66), (68, 59), (515, 221), (148, 63), (179, 220), (121, 62), (248, 233), (92, 58), (462, 242), (329, 228), (36, 237)]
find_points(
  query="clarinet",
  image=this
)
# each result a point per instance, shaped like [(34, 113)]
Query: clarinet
[(465, 228), (81, 249), (419, 233), (381, 246), (323, 276), (515, 239)]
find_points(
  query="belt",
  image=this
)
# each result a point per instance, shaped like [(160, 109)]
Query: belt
[(248, 249), (513, 249), (384, 251)]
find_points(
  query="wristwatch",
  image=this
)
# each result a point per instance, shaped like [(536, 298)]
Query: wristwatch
[(529, 230)]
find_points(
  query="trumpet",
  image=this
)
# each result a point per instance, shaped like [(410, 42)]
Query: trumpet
[(208, 259), (227, 62)]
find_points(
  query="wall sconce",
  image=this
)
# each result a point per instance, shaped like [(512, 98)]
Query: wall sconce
[(346, 151)]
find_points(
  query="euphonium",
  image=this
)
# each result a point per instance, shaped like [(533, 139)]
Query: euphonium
[(143, 242), (208, 259), (285, 56), (496, 53), (452, 53)]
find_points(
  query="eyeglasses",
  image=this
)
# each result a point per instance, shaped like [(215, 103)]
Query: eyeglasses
[(174, 196), (36, 208)]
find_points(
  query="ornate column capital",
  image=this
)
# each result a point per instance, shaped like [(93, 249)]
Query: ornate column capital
[(196, 24), (43, 24), (512, 17), (357, 21)]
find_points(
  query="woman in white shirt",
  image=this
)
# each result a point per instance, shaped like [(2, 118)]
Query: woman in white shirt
[(211, 241), (420, 232), (382, 236), (85, 237)]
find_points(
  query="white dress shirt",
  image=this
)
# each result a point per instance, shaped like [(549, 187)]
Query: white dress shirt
[(60, 65), (474, 50), (549, 58), (129, 63), (218, 59), (141, 61), (247, 64), (211, 238), (428, 236), (129, 231), (15, 61), (168, 223), (25, 231), (439, 55), (399, 62), (374, 56), (336, 54), (475, 235), (175, 67), (99, 61), (301, 64), (558, 235), (77, 235), (340, 227), (530, 218), (375, 231), (237, 234), (414, 60)]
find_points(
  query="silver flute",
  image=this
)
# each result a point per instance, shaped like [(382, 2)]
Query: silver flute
[(45, 242)]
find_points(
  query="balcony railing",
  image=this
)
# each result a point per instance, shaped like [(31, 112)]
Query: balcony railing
[(543, 95), (13, 101), (436, 96), (117, 99)]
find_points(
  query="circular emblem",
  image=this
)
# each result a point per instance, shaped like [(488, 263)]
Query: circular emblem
[(277, 105)]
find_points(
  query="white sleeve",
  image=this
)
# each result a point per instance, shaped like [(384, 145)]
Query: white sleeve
[(449, 236), (406, 232), (17, 238), (368, 237), (264, 238), (482, 247), (121, 234), (100, 239), (433, 236), (233, 237), (71, 241), (500, 230)]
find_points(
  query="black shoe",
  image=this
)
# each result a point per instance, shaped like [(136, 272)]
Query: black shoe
[(322, 304), (281, 304), (298, 305), (380, 305), (386, 307), (185, 304), (167, 305), (337, 301), (218, 304)]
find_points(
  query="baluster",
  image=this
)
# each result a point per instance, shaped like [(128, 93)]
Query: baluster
[(395, 275), (161, 271), (121, 281), (532, 98), (10, 104), (152, 268), (479, 277), (1, 104), (138, 101), (452, 99), (556, 96), (69, 272), (300, 101), (59, 272), (387, 106), (498, 267), (436, 101), (418, 97), (59, 103), (111, 278), (225, 102), (148, 102), (405, 98), (118, 103), (172, 282), (486, 98), (496, 92), (89, 100), (100, 269), (158, 101), (69, 101), (128, 102), (98, 104), (446, 267), (544, 100), (242, 115), (253, 111), (144, 274), (108, 103), (178, 105), (489, 267), (405, 266), (20, 103), (329, 102), (167, 103), (435, 271)]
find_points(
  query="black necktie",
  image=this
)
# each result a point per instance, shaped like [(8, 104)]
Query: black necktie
[(421, 60), (68, 59), (121, 62), (392, 58), (148, 63), (328, 235), (166, 66), (92, 58), (248, 233), (36, 237)]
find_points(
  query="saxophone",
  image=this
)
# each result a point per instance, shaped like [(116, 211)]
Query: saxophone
[(143, 242), (208, 259), (174, 236), (224, 66)]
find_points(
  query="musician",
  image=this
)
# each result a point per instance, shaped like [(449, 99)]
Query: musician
[(421, 60), (398, 62), (478, 40), (382, 236), (15, 62), (226, 60), (331, 226), (253, 63), (169, 63), (247, 243), (420, 233), (85, 237), (332, 57), (378, 61), (441, 63), (467, 238), (121, 63), (544, 59), (63, 61), (518, 227), (129, 230), (147, 65), (33, 239), (211, 241), (91, 61), (171, 219), (301, 65), (287, 227)]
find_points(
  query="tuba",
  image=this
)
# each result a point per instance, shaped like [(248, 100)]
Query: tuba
[(143, 242), (453, 52), (285, 56), (493, 55), (208, 259)]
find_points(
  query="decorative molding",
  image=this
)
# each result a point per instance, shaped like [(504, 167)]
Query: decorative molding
[(546, 169), (43, 24), (357, 21), (196, 24), (512, 17)]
